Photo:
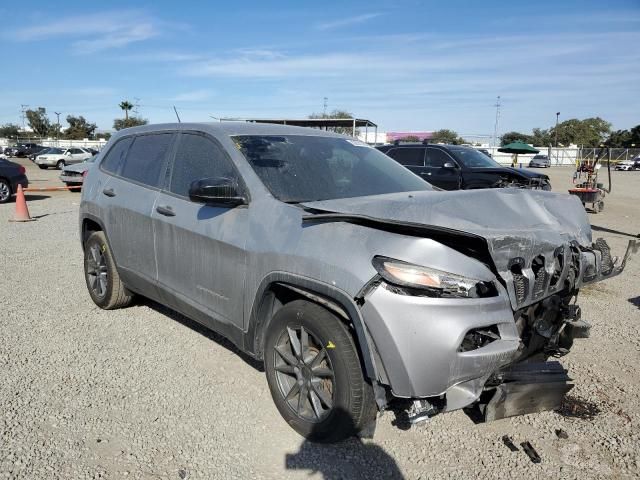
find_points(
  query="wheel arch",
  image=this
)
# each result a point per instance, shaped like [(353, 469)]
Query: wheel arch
[(279, 288)]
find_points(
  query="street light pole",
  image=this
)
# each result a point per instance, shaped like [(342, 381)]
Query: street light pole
[(58, 129), (557, 117)]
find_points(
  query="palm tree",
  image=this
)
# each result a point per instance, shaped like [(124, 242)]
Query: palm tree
[(126, 106)]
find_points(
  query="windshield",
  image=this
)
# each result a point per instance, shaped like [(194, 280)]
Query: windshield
[(300, 168), (472, 158)]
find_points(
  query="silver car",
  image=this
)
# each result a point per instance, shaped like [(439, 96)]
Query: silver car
[(358, 285), (73, 175)]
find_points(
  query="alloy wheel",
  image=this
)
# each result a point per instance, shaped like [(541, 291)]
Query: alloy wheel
[(304, 374), (97, 271), (4, 192)]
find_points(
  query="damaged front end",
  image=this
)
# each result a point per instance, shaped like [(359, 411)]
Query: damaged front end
[(495, 350)]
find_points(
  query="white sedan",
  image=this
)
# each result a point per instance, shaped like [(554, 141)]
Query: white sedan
[(59, 157), (626, 165)]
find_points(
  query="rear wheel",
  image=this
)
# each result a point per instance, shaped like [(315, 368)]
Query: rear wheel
[(102, 279), (314, 373), (5, 191), (60, 165), (43, 167)]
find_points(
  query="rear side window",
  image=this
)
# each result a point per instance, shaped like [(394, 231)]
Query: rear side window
[(145, 160), (115, 156), (437, 158), (408, 156), (198, 157)]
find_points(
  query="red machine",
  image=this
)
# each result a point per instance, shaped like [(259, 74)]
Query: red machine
[(588, 189)]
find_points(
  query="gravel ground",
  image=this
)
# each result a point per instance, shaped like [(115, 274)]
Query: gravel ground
[(145, 393)]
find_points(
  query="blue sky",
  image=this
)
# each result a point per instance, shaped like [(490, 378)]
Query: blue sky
[(407, 65)]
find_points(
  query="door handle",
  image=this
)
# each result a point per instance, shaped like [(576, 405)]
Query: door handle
[(109, 192), (167, 211)]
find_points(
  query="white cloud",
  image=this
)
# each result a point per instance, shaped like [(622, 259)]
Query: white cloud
[(95, 32), (193, 96), (345, 22)]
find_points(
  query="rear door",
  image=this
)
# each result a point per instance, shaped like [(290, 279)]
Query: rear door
[(409, 157), (201, 248), (77, 155), (137, 166), (439, 175)]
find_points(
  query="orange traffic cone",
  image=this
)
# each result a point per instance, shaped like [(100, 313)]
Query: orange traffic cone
[(22, 211)]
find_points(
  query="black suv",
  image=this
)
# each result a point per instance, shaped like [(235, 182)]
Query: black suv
[(453, 167)]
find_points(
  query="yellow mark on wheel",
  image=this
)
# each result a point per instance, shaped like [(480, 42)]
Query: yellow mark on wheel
[(331, 344), (104, 248)]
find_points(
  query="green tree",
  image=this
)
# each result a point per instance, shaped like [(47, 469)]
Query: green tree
[(38, 122), (126, 105), (336, 114), (446, 136), (79, 128), (589, 132), (9, 130), (410, 138), (120, 123), (511, 137), (624, 138), (540, 137)]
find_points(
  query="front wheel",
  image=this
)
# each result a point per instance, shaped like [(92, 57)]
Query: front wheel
[(102, 279), (5, 191), (314, 373), (43, 167)]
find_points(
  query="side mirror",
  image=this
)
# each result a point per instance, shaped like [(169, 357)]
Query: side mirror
[(217, 191), (449, 165)]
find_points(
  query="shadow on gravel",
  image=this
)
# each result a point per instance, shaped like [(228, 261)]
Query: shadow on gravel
[(596, 228), (635, 301), (350, 458), (31, 198), (576, 407), (196, 327)]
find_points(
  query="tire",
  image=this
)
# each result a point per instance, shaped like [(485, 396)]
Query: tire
[(60, 165), (103, 282), (337, 400), (43, 167), (5, 191)]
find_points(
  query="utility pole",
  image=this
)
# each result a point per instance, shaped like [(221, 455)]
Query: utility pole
[(58, 129), (557, 118), (495, 128), (324, 109), (24, 110), (136, 105)]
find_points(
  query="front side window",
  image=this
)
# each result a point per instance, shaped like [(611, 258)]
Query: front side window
[(197, 157), (471, 158), (145, 160), (304, 168), (436, 158), (408, 156)]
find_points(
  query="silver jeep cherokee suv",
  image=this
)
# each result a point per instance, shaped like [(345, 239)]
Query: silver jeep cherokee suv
[(355, 281)]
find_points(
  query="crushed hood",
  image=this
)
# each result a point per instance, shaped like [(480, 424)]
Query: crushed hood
[(516, 223)]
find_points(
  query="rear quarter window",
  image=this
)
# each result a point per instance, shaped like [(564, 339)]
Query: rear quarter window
[(113, 160)]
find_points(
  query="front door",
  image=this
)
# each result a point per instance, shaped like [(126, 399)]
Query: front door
[(201, 248), (437, 174)]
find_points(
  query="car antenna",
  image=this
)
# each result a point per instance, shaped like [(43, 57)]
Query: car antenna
[(174, 109)]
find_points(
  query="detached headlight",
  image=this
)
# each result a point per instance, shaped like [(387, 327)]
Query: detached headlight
[(417, 280)]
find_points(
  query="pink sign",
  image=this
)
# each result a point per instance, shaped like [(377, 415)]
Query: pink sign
[(392, 136)]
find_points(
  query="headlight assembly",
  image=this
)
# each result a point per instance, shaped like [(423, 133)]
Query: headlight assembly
[(425, 281)]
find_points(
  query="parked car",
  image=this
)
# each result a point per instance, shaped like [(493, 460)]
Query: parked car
[(626, 165), (73, 175), (454, 167), (354, 281), (10, 151), (485, 151), (33, 152), (60, 157), (25, 149), (11, 175), (540, 161)]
